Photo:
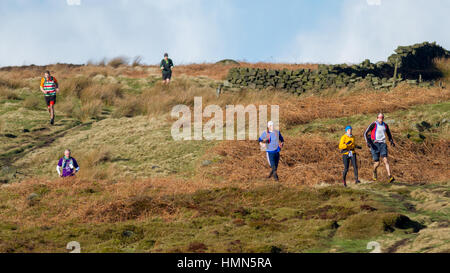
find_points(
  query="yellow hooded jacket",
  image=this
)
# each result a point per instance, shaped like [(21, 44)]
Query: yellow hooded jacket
[(343, 146)]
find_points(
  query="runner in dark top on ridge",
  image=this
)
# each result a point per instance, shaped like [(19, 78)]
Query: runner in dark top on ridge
[(166, 68)]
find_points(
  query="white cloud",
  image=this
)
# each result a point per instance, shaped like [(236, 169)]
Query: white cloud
[(73, 2), (374, 2), (94, 30), (359, 31)]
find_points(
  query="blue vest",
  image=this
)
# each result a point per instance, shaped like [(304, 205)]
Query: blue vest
[(274, 138)]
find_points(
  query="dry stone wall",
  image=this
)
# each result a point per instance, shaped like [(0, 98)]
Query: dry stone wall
[(412, 64)]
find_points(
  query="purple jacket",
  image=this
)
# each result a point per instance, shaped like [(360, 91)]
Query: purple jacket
[(68, 166)]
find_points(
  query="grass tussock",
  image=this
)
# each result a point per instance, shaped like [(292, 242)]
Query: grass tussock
[(89, 110), (375, 224), (32, 103), (93, 164), (107, 93), (68, 106), (73, 87), (129, 107), (95, 158), (83, 112), (8, 94), (11, 82)]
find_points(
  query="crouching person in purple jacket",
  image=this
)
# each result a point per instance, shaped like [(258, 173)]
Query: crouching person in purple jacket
[(67, 165)]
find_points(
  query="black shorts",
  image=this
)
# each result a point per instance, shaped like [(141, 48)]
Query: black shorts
[(50, 100), (166, 75), (379, 150)]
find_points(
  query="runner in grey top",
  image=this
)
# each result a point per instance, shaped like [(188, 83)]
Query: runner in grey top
[(375, 136)]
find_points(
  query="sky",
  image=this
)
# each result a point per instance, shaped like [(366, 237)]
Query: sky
[(196, 31)]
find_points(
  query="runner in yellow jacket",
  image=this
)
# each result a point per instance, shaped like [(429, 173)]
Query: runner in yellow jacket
[(347, 146)]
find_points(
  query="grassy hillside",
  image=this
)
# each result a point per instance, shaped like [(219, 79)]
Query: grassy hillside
[(141, 191)]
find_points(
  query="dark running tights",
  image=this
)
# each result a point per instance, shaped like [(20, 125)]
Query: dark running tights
[(274, 158), (347, 160)]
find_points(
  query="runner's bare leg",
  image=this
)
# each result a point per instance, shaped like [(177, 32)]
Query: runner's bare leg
[(376, 165), (388, 169)]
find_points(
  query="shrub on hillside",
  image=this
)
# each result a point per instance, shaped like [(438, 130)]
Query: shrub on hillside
[(227, 62), (137, 61), (32, 103), (118, 61)]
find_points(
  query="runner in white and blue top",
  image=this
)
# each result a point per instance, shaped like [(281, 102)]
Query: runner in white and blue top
[(272, 141)]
